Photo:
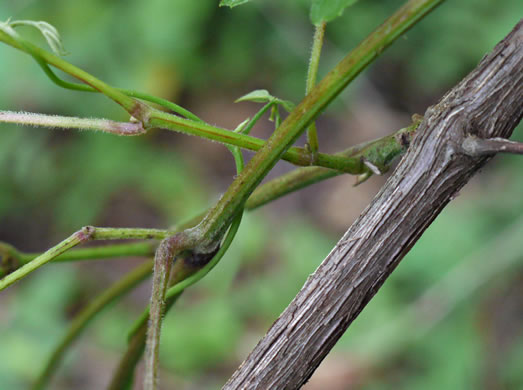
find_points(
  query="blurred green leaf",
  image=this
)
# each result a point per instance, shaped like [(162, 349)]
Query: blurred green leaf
[(263, 96), (35, 323), (327, 10), (512, 373), (232, 3), (258, 96), (187, 350)]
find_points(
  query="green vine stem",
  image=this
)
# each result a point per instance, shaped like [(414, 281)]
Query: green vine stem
[(83, 318), (151, 117), (11, 258), (184, 275), (380, 152), (165, 255), (168, 250), (102, 233), (85, 234), (56, 44), (220, 217), (129, 92), (123, 375), (79, 237), (189, 278), (332, 84), (295, 155), (257, 117), (144, 249), (386, 148), (135, 108), (317, 43)]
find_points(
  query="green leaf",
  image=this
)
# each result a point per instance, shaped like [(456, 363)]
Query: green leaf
[(263, 96), (275, 114), (258, 96), (327, 10), (48, 31), (232, 3)]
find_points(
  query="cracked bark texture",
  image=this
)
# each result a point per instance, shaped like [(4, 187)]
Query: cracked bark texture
[(487, 103)]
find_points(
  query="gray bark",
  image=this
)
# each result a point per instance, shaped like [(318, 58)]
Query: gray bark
[(486, 104)]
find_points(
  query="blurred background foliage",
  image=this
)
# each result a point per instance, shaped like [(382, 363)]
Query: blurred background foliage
[(465, 333)]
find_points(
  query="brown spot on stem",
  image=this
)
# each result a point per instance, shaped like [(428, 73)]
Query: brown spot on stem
[(197, 260), (86, 233), (405, 140), (140, 112)]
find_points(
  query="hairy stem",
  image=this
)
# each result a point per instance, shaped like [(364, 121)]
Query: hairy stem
[(11, 258), (85, 234), (151, 117), (216, 222), (186, 279), (123, 375), (135, 108), (80, 236), (145, 249), (391, 145), (101, 233), (168, 249), (317, 43), (67, 122), (9, 36), (163, 259), (295, 155), (380, 153)]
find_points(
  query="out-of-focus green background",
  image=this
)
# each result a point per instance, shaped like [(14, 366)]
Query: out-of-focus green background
[(450, 317)]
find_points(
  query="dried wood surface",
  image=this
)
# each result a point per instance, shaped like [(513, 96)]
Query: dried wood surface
[(487, 103)]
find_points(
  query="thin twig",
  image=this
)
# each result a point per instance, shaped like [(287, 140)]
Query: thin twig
[(83, 235), (79, 237), (69, 122), (477, 147), (163, 260)]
